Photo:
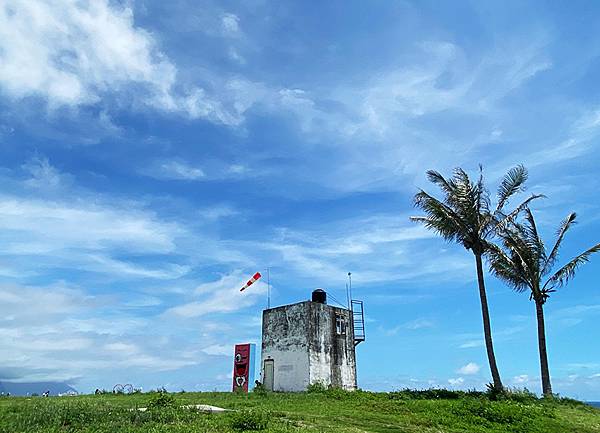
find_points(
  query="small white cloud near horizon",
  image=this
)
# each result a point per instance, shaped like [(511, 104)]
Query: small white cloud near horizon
[(456, 381), (520, 379), (469, 369)]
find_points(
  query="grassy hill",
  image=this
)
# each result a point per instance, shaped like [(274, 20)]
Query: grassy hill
[(323, 411)]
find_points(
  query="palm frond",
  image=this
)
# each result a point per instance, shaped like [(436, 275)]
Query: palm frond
[(466, 199), (464, 214), (446, 185), (512, 183), (440, 217), (505, 268), (565, 225), (523, 253), (567, 272), (483, 197), (503, 220), (534, 240)]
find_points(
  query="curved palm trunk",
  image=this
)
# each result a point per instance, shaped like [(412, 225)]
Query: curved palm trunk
[(487, 328), (546, 385)]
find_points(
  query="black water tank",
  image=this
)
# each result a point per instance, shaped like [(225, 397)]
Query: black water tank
[(319, 296)]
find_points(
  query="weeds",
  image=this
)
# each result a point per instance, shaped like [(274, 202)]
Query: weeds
[(249, 420), (161, 399)]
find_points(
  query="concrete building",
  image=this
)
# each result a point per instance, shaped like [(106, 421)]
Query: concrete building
[(310, 342)]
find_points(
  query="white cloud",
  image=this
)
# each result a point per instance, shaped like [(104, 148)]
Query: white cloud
[(72, 229), (79, 53), (217, 212), (63, 334), (221, 296), (231, 24), (219, 349), (73, 52), (33, 225), (123, 270), (574, 315), (469, 369), (471, 343), (378, 247), (413, 325), (236, 56), (419, 324), (476, 340), (173, 170), (43, 174), (456, 381), (520, 379)]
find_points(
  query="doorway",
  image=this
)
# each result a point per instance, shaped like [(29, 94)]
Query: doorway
[(269, 379)]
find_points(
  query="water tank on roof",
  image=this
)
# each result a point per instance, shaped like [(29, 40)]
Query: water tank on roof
[(319, 296)]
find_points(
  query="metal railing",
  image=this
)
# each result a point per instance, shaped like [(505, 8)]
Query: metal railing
[(358, 321)]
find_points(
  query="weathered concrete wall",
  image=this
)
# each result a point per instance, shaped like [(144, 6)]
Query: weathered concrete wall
[(332, 359), (303, 342), (284, 340)]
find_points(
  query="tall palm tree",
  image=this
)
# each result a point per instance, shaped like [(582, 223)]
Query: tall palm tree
[(526, 266), (465, 215)]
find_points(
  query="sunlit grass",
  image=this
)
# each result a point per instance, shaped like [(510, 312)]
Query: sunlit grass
[(325, 411)]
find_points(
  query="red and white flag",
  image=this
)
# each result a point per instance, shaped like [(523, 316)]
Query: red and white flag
[(251, 281)]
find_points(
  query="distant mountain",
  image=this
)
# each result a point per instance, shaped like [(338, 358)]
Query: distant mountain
[(24, 388), (594, 403)]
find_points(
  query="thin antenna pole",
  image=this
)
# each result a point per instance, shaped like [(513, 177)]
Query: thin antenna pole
[(268, 287), (350, 289), (348, 296)]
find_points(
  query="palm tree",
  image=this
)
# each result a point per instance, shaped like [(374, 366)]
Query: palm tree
[(526, 266), (465, 216)]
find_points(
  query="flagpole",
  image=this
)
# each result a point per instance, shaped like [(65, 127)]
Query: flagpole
[(347, 296), (268, 287), (350, 290)]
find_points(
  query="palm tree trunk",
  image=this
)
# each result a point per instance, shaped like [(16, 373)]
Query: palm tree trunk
[(546, 385), (487, 328)]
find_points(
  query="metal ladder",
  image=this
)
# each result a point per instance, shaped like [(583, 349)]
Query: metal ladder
[(358, 321)]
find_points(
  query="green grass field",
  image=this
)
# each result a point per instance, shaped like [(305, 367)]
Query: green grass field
[(325, 411)]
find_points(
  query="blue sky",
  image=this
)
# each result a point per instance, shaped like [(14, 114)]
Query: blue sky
[(154, 155)]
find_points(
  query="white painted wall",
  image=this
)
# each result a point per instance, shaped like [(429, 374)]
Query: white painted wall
[(291, 371)]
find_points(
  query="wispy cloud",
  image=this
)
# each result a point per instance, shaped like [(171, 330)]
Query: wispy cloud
[(574, 315), (221, 296), (173, 170), (79, 54), (413, 325)]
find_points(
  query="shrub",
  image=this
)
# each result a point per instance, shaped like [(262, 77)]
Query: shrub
[(249, 420), (259, 389), (567, 401), (520, 395), (432, 394), (161, 399), (316, 388), (338, 393)]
